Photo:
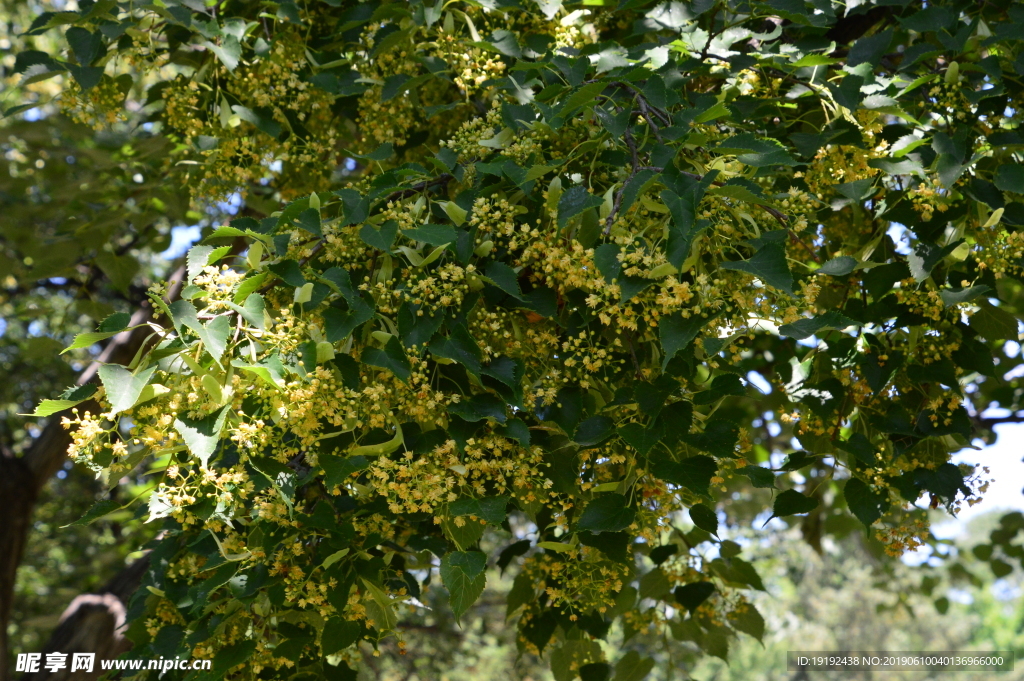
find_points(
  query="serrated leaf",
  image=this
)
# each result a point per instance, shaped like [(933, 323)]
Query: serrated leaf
[(392, 358), (694, 473), (864, 503), (768, 264), (805, 328), (458, 347), (632, 667), (594, 431), (1010, 178), (339, 634), (748, 620), (993, 323), (676, 332), (309, 220), (463, 574), (382, 239), (228, 52), (490, 509), (640, 438), (690, 596), (270, 370), (838, 267), (607, 513), (337, 469), (792, 502), (704, 518), (202, 435), (123, 388), (97, 511), (435, 235), (504, 277), (759, 477), (952, 297), (573, 202)]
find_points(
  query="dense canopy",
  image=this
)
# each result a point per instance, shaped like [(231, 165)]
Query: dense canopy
[(561, 274)]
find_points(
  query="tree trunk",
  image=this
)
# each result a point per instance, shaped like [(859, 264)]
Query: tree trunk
[(93, 623), (19, 495), (22, 479)]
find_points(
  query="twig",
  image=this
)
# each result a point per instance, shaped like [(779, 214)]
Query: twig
[(443, 178)]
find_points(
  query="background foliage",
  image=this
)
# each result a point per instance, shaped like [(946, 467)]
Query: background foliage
[(519, 284)]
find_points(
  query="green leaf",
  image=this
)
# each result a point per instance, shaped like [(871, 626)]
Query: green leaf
[(867, 505), (768, 264), (338, 324), (248, 286), (923, 259), (690, 596), (583, 96), (490, 509), (458, 347), (504, 277), (952, 297), (993, 323), (196, 260), (213, 335), (640, 438), (748, 620), (505, 42), (309, 220), (357, 206), (463, 574), (869, 50), (202, 435), (392, 358), (270, 370), (685, 226), (122, 386), (1010, 178), (379, 607), (382, 239), (263, 119), (718, 439), (339, 634), (632, 667), (838, 267), (704, 518), (759, 477), (86, 45), (755, 151), (792, 502), (694, 473), (573, 202), (435, 235), (724, 384), (98, 510), (677, 332), (228, 52), (87, 77), (479, 407), (70, 397), (805, 328), (607, 513), (594, 431), (337, 469)]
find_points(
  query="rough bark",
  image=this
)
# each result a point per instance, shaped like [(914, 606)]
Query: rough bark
[(17, 489)]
